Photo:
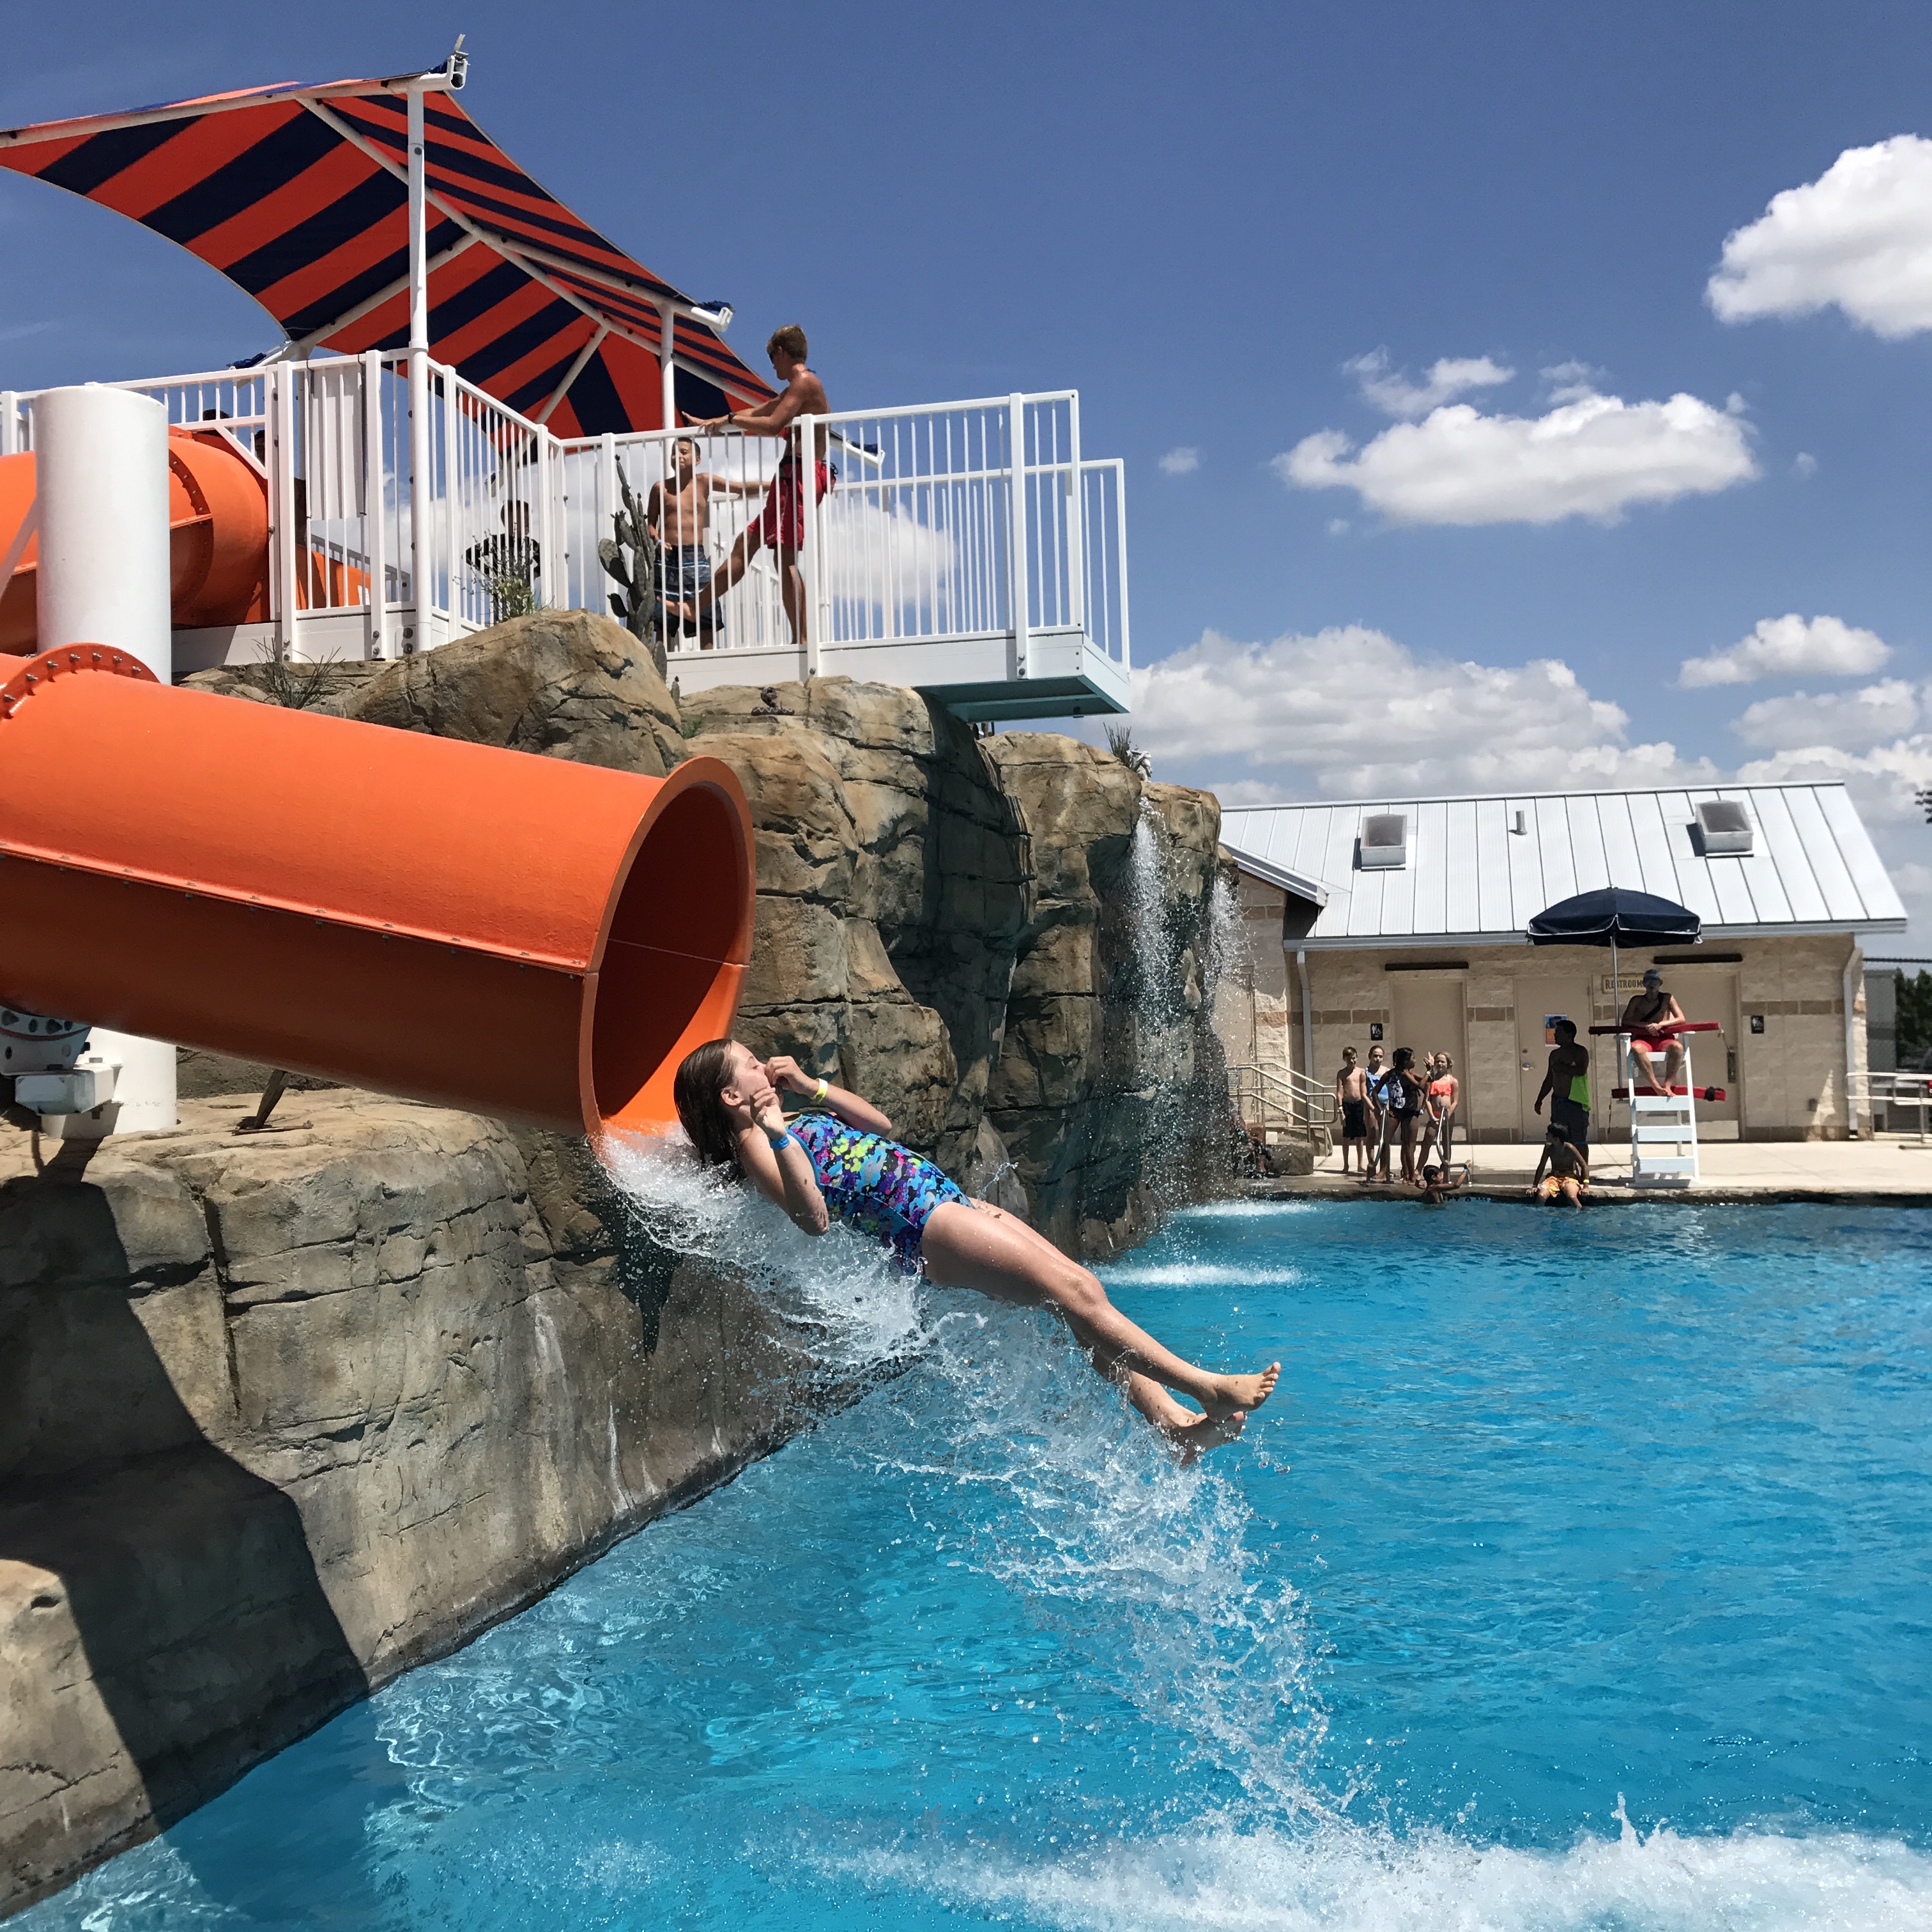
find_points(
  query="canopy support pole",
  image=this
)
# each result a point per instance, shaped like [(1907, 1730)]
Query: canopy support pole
[(667, 371), (420, 510)]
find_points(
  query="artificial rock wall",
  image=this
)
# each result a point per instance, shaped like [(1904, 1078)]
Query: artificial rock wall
[(967, 930), (282, 1415)]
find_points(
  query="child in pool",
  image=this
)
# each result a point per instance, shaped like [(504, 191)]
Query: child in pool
[(837, 1159)]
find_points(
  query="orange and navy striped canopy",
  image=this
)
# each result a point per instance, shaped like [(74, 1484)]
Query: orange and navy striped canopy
[(300, 195)]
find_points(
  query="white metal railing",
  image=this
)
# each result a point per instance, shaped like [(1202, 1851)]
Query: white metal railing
[(944, 523), (1901, 1087)]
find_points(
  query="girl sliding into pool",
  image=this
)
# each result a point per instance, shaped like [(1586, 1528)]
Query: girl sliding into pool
[(837, 1159)]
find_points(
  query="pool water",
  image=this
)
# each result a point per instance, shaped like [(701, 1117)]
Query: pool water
[(1578, 1577)]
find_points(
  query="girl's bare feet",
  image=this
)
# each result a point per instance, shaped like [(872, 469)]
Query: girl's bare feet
[(1188, 1433), (1200, 1433), (1228, 1393)]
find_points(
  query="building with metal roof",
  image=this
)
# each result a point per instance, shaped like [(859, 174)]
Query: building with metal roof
[(1401, 921)]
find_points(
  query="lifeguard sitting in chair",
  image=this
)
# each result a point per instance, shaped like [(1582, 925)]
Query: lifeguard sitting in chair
[(1654, 1008)]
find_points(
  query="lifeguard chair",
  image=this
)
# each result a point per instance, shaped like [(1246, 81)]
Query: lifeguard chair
[(1660, 1119)]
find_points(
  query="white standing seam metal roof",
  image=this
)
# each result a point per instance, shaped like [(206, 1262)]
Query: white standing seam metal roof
[(1471, 875)]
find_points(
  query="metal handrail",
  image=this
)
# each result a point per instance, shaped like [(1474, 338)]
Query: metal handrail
[(1285, 1090)]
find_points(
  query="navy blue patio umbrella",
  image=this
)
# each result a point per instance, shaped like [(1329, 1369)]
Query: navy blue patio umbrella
[(1612, 916)]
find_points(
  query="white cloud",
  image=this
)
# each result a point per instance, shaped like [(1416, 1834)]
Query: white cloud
[(1338, 526), (1570, 382), (1847, 721), (1594, 457), (1858, 238), (1349, 712), (1181, 462), (1394, 394), (1804, 465), (1790, 646)]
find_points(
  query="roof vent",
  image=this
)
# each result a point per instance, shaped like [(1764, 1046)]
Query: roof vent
[(1384, 847), (1724, 829)]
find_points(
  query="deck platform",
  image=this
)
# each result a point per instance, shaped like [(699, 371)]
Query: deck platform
[(1894, 1170)]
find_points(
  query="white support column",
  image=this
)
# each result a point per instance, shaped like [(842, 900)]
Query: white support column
[(1018, 652), (420, 565), (375, 505), (667, 368), (9, 423), (101, 467)]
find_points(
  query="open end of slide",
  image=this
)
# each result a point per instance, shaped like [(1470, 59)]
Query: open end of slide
[(680, 938)]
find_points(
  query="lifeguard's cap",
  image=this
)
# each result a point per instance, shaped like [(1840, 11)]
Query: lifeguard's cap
[(1652, 977)]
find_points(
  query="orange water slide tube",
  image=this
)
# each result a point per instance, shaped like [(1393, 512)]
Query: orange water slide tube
[(523, 937), (217, 538)]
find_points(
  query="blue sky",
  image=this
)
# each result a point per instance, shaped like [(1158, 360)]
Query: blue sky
[(1202, 220)]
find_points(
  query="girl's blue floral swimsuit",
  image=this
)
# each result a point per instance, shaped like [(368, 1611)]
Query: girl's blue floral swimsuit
[(875, 1185)]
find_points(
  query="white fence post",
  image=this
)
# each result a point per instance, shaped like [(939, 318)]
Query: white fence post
[(1076, 523), (597, 587), (1016, 535), (805, 475), (452, 484), (548, 559), (1121, 547), (287, 536), (375, 505)]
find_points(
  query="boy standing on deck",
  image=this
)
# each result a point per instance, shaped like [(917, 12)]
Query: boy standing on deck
[(1567, 1083), (782, 525), (1351, 1101)]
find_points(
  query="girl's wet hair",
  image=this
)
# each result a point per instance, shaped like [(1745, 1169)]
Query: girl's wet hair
[(698, 1091), (1404, 1058)]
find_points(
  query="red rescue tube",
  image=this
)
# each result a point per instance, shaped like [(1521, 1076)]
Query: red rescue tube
[(523, 937)]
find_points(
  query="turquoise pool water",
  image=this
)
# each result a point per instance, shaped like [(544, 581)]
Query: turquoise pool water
[(1580, 1577)]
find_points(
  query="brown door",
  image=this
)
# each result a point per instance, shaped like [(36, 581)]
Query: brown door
[(1427, 1011), (1541, 999)]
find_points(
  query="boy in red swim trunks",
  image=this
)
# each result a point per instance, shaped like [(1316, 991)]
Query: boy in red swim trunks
[(782, 523)]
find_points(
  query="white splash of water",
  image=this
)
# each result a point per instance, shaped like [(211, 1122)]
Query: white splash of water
[(1147, 908), (1222, 953), (844, 1298), (1068, 1498), (1342, 1879)]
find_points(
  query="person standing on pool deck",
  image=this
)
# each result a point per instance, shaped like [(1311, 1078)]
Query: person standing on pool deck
[(1400, 1099), (838, 1160), (1351, 1101), (1567, 1084), (781, 524), (1444, 1091), (1378, 1146)]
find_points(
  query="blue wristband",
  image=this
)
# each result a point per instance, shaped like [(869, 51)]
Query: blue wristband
[(784, 1140)]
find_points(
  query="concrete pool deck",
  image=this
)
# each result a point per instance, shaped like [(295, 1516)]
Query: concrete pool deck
[(1894, 1170)]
